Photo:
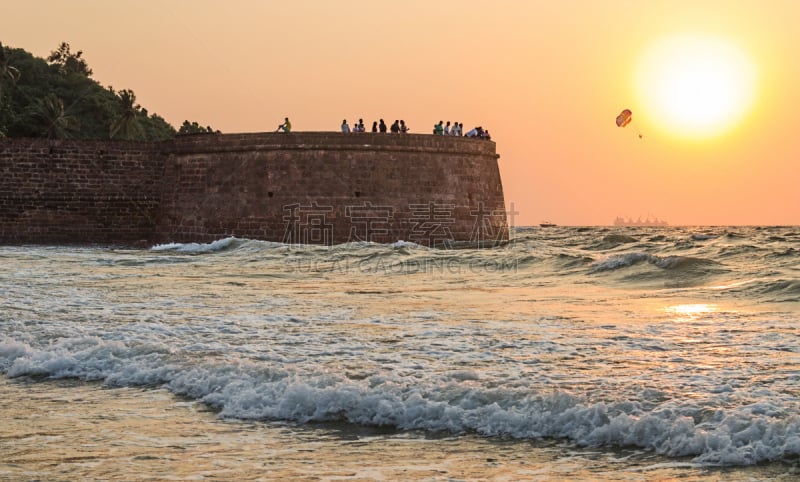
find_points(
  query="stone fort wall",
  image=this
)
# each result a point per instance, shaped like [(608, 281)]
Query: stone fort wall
[(306, 187), (78, 192)]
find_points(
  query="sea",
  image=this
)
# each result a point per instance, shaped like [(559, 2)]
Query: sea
[(570, 353)]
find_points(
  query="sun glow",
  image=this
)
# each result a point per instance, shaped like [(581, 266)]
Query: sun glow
[(696, 87)]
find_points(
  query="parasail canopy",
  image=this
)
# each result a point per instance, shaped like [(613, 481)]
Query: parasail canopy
[(624, 118)]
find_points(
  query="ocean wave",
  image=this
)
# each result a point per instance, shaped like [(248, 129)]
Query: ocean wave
[(704, 237), (787, 252), (259, 247), (611, 241), (201, 248), (734, 235), (619, 261), (233, 243), (724, 434), (567, 261), (407, 245), (738, 250), (781, 290), (400, 257), (644, 270), (657, 238)]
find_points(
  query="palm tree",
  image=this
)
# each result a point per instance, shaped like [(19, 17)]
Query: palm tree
[(56, 123), (69, 63), (9, 75), (128, 122)]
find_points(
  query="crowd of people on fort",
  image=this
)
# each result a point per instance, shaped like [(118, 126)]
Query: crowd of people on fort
[(400, 127), (457, 129)]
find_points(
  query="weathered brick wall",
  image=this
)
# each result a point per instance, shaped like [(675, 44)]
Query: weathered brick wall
[(323, 187), (328, 187), (78, 192)]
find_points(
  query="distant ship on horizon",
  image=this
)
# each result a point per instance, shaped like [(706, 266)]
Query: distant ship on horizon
[(620, 221)]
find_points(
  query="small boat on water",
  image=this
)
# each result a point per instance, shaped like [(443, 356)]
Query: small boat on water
[(547, 224)]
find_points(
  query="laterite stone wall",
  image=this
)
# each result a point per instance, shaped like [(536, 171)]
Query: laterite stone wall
[(78, 192), (308, 188), (329, 188)]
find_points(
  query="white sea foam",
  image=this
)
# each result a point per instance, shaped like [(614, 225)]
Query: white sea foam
[(248, 390), (197, 248), (408, 244)]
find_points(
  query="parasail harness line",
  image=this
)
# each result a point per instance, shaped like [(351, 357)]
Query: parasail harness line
[(624, 118)]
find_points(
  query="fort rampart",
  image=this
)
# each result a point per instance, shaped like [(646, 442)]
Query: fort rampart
[(305, 187)]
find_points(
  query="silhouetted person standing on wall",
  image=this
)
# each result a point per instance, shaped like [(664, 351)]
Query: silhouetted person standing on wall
[(403, 127), (285, 127), (395, 127), (382, 127), (345, 127), (375, 126)]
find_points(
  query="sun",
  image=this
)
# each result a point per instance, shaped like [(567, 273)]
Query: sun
[(694, 86)]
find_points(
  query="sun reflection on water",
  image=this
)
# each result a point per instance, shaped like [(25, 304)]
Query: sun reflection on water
[(690, 312)]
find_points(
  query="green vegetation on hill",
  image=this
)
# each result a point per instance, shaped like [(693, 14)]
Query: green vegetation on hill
[(57, 98)]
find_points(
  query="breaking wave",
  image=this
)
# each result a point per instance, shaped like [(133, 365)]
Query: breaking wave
[(450, 402)]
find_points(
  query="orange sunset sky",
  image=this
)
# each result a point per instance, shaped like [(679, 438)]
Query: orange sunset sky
[(712, 84)]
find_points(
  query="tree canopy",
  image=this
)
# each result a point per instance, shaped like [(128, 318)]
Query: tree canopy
[(57, 98)]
